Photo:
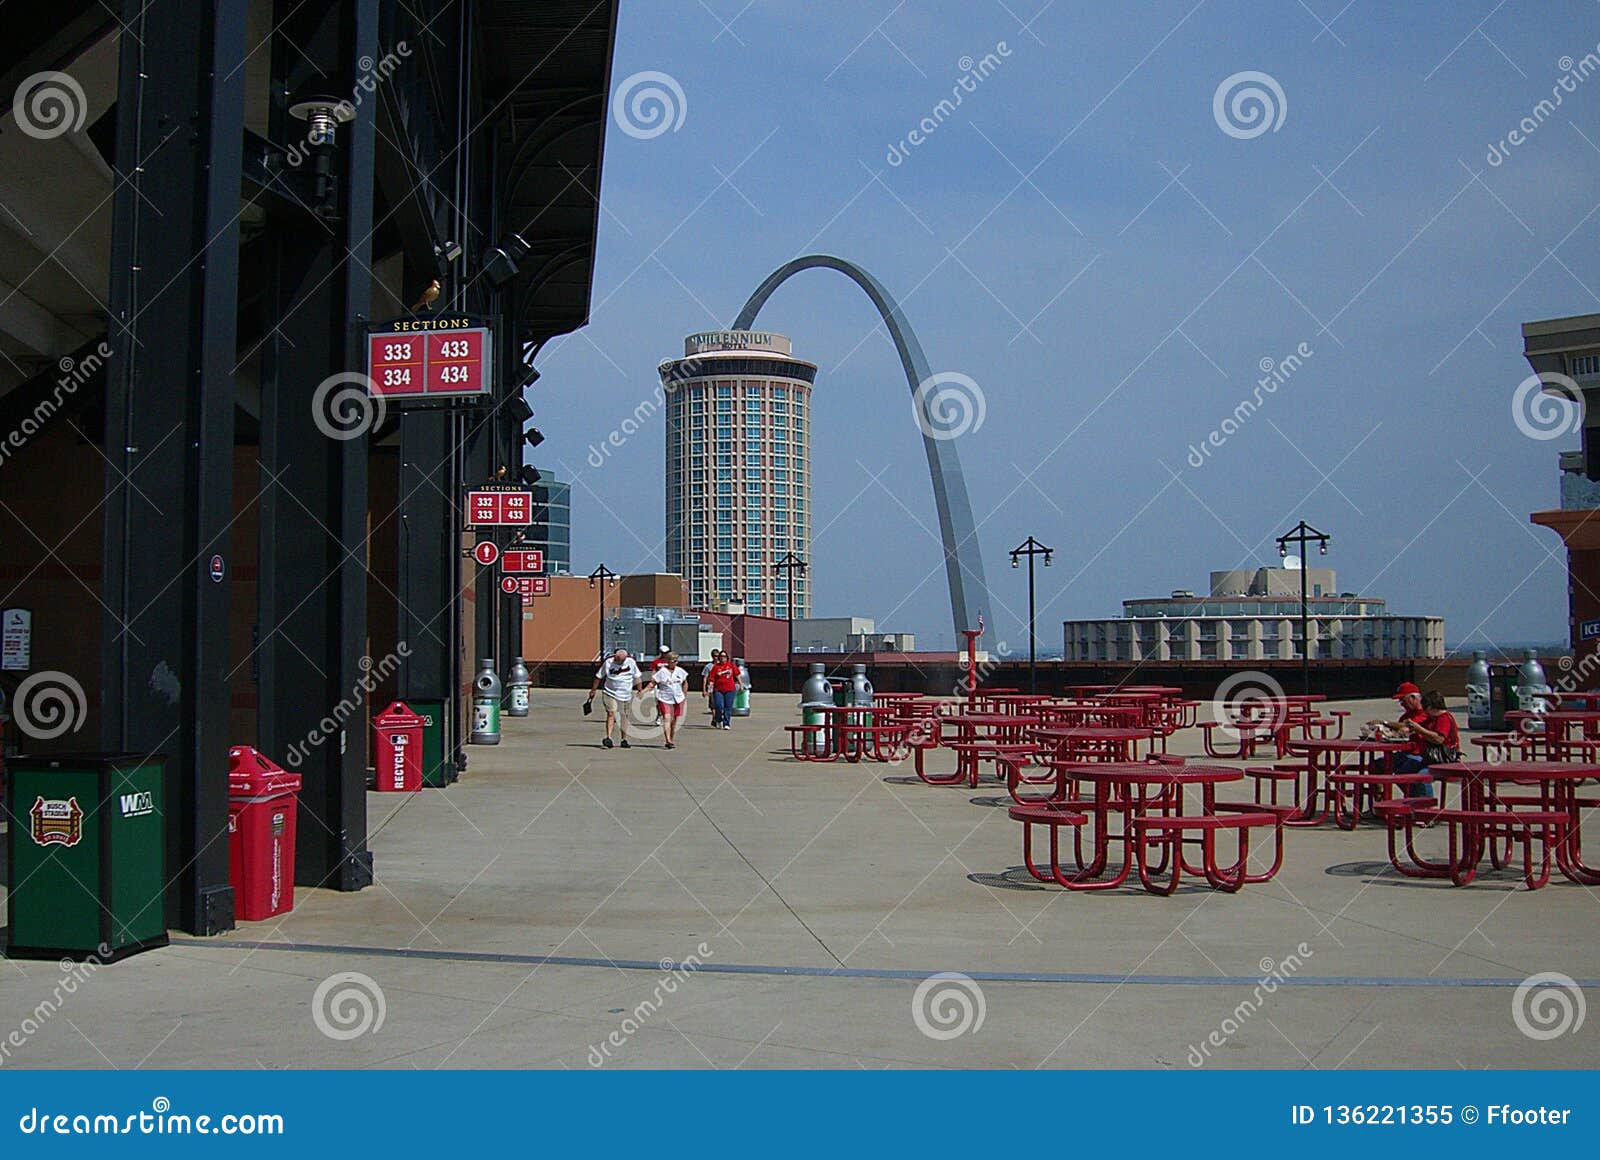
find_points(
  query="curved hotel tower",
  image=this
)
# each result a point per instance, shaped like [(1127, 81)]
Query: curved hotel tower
[(739, 469)]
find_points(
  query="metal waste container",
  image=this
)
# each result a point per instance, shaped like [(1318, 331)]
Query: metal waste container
[(815, 696), (436, 771), (87, 851), (1502, 694)]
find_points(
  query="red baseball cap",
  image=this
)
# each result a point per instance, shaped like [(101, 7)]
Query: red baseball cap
[(1405, 690)]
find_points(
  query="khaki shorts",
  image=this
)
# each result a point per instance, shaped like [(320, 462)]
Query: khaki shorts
[(615, 706)]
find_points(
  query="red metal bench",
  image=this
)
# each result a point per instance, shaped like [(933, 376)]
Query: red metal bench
[(1167, 831), (809, 743), (1467, 832), (1052, 816), (1347, 786)]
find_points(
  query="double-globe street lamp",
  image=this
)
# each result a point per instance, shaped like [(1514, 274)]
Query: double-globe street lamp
[(1302, 534), (1031, 548), (789, 565), (602, 578)]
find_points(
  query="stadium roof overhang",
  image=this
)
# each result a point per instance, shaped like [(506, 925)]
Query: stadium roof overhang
[(547, 70)]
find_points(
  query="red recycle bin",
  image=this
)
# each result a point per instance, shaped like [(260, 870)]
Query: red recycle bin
[(263, 800), (397, 749)]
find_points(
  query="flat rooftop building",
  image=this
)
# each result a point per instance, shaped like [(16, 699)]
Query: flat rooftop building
[(1254, 614)]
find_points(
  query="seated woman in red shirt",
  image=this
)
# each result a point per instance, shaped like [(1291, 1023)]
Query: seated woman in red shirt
[(1436, 731)]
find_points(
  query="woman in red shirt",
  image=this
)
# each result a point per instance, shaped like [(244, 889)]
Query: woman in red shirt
[(1435, 732), (724, 682)]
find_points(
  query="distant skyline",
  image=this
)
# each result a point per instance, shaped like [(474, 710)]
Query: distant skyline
[(1099, 236)]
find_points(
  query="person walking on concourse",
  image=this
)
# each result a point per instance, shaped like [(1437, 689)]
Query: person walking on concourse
[(620, 676)]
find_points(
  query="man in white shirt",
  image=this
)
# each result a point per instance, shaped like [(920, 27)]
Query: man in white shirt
[(671, 685), (619, 673)]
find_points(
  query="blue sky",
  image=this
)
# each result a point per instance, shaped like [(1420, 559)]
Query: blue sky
[(1084, 240)]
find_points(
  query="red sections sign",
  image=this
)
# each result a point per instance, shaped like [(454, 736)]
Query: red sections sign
[(525, 586), (432, 358), (522, 560), (499, 507)]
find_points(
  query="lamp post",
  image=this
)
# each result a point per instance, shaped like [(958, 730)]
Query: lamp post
[(789, 565), (1302, 534), (602, 578), (1031, 548)]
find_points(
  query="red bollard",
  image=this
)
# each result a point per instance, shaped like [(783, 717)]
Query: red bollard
[(262, 805), (397, 749)]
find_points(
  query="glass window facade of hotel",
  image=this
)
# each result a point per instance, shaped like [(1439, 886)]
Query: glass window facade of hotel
[(739, 470), (552, 524)]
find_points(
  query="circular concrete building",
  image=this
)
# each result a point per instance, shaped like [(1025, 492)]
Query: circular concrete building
[(739, 469)]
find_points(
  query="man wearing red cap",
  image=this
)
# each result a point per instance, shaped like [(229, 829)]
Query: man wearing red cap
[(1412, 717)]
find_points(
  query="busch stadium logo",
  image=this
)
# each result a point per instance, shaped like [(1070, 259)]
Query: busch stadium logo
[(56, 822)]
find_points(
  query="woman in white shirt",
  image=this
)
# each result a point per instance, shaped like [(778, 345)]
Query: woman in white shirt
[(670, 683)]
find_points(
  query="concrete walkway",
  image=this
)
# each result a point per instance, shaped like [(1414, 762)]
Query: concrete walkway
[(531, 914)]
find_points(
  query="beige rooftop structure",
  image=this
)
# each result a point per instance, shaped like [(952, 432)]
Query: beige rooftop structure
[(1254, 614)]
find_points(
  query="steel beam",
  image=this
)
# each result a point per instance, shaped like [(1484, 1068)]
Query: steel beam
[(169, 424), (314, 713)]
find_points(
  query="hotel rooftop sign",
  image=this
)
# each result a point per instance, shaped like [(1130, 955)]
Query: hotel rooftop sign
[(715, 340)]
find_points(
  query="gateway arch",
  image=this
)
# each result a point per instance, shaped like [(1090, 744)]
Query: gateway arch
[(963, 564)]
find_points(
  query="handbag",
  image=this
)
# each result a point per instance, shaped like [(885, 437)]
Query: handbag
[(1440, 755)]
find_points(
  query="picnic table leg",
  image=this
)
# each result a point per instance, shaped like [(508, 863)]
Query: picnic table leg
[(1405, 824), (1166, 840), (1277, 858), (1227, 880), (1546, 836), (1308, 814), (1027, 851), (1466, 847), (934, 778), (1569, 850)]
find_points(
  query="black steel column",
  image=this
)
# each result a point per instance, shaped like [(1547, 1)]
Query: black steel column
[(314, 498), (429, 560), (169, 424)]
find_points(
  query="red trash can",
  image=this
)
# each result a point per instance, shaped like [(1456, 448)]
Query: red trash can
[(397, 749), (263, 801)]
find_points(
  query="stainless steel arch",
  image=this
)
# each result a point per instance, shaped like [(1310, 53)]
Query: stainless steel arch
[(963, 563)]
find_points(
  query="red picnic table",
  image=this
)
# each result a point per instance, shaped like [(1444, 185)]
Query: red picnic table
[(1564, 734), (1330, 775), (1147, 800), (1490, 819), (1582, 700), (1087, 713), (1249, 734), (1092, 742), (882, 698), (979, 737), (857, 731)]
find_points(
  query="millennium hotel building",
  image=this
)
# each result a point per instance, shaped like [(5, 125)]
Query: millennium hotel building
[(739, 470)]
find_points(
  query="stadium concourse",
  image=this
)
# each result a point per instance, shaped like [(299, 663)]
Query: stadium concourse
[(723, 905)]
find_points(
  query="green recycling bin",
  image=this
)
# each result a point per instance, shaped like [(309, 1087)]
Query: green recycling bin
[(87, 850), (436, 771)]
